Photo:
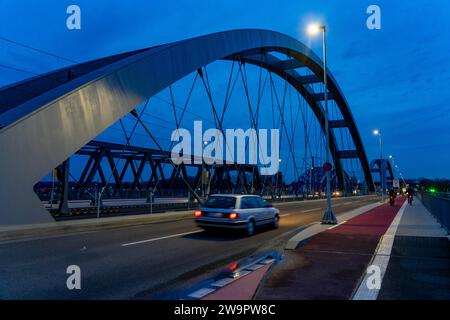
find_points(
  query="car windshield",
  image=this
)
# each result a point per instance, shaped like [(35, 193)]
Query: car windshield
[(220, 202)]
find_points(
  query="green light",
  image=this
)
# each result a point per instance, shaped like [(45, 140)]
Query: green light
[(433, 190)]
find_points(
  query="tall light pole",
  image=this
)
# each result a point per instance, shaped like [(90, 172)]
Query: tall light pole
[(397, 169), (314, 29), (401, 176), (393, 167), (382, 169)]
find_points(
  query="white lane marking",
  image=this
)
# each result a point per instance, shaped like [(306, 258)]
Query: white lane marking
[(346, 203), (380, 259), (161, 238), (337, 225), (285, 215), (310, 210)]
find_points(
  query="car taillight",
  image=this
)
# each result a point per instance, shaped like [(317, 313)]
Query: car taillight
[(233, 215), (197, 213), (233, 267)]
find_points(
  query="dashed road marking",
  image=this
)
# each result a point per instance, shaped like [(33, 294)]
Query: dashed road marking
[(310, 210), (161, 238)]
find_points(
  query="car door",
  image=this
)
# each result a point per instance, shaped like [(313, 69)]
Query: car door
[(266, 212), (249, 207), (256, 209), (245, 209)]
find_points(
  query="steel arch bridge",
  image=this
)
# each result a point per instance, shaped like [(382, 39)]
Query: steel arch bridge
[(45, 120)]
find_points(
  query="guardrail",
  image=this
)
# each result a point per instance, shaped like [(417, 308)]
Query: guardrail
[(439, 206), (92, 211)]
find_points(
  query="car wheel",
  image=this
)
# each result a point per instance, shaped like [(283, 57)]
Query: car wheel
[(276, 222), (250, 228)]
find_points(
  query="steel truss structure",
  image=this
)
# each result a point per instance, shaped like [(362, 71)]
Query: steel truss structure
[(231, 178), (45, 120)]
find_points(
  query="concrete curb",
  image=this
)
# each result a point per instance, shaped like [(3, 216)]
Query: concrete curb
[(317, 228), (241, 284), (243, 288)]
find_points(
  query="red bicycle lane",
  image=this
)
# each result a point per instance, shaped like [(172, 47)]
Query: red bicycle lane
[(330, 264)]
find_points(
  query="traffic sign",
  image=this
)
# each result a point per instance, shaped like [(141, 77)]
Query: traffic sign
[(396, 183)]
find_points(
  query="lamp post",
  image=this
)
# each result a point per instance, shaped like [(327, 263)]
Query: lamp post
[(314, 29), (393, 165), (392, 160), (397, 169), (382, 169)]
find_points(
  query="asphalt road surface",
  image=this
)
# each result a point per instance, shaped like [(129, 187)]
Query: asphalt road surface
[(141, 262)]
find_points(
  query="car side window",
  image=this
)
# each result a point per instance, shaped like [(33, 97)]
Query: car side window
[(249, 202), (254, 202), (261, 202), (245, 204)]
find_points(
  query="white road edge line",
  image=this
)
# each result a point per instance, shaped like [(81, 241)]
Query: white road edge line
[(337, 225), (380, 259), (285, 215), (161, 238), (310, 210)]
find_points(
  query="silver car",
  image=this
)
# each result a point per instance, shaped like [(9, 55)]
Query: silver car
[(238, 212)]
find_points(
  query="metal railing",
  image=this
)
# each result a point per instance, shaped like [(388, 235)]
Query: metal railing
[(439, 206)]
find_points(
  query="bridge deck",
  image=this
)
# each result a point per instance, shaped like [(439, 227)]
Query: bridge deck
[(409, 246)]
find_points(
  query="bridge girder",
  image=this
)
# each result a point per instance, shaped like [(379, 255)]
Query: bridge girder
[(377, 165), (137, 158)]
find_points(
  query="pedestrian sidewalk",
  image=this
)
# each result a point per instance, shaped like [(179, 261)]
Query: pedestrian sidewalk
[(410, 247), (419, 264)]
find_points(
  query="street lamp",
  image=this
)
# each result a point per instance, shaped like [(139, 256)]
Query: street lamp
[(314, 29), (392, 161), (380, 141), (392, 158), (397, 169)]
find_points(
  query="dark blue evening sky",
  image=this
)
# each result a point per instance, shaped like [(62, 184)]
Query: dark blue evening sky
[(395, 79)]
